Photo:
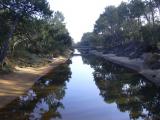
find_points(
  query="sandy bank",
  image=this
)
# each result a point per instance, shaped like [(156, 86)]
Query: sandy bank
[(134, 64), (15, 84)]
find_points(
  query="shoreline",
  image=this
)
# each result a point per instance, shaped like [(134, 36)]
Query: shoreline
[(15, 84), (134, 64)]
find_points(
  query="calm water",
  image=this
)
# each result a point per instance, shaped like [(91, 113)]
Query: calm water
[(88, 88)]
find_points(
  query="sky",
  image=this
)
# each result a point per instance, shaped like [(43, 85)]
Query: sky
[(81, 15)]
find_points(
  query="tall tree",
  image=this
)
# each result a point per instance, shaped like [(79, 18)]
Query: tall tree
[(17, 11)]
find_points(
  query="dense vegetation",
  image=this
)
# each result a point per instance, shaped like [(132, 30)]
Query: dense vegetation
[(30, 28), (135, 22)]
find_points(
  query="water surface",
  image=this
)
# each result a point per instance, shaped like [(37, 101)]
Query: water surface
[(89, 88)]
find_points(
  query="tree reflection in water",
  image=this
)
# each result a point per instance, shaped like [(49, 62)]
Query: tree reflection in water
[(130, 91), (43, 100)]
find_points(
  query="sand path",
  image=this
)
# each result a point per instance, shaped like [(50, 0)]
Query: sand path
[(17, 83)]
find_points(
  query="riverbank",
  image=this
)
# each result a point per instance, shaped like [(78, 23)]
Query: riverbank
[(136, 64), (18, 82)]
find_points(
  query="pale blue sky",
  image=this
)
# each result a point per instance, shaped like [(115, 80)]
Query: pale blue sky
[(80, 15)]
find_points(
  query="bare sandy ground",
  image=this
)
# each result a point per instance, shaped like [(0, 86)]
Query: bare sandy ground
[(17, 83)]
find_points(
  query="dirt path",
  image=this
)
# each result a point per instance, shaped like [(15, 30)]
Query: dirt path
[(15, 84)]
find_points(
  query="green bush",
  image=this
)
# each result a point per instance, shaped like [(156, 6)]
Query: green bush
[(151, 34)]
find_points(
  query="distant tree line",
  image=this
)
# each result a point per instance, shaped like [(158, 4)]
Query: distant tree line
[(136, 20), (31, 26)]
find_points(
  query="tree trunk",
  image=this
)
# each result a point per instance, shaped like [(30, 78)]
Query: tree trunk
[(152, 11), (148, 19), (5, 45), (153, 20)]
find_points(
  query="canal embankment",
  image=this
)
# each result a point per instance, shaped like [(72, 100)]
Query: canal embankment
[(136, 64), (15, 84)]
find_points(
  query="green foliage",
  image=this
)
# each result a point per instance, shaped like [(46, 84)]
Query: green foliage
[(30, 25), (151, 34), (137, 8), (137, 20)]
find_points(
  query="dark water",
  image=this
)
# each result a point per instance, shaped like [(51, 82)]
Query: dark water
[(87, 89)]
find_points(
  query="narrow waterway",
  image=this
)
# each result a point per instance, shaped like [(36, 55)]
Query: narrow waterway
[(87, 88), (82, 100)]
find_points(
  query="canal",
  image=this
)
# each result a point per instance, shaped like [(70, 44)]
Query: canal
[(87, 88)]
